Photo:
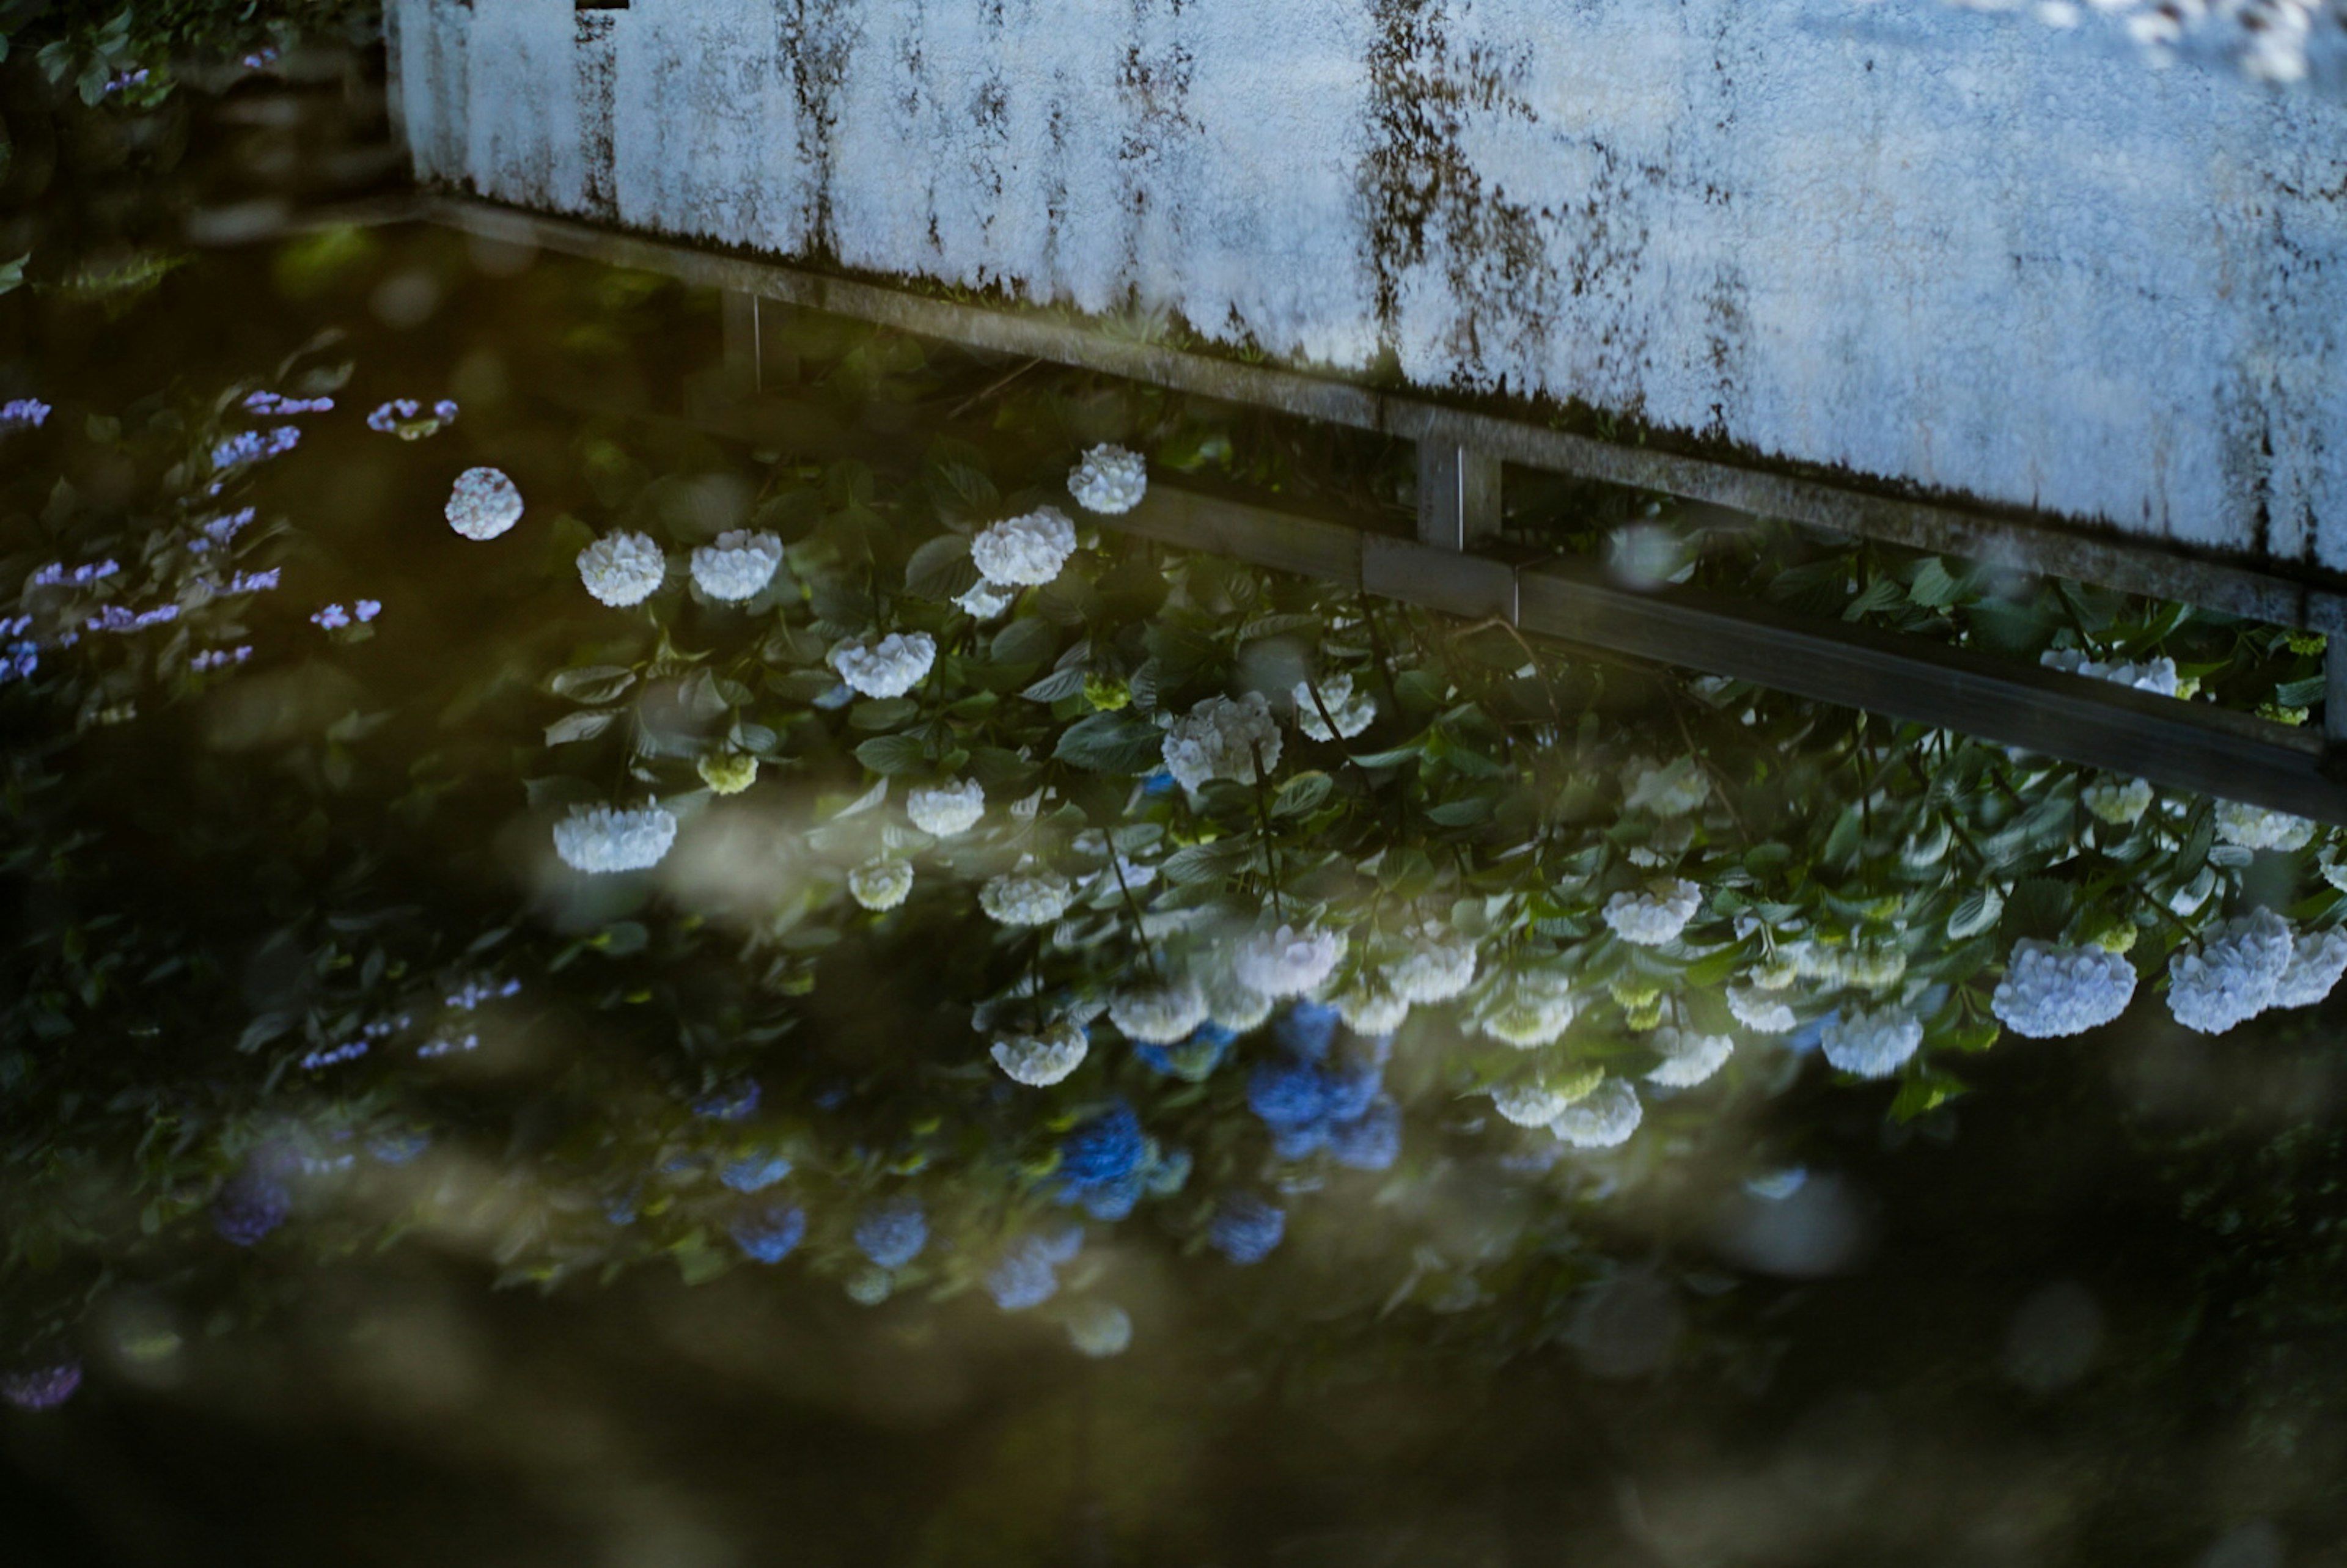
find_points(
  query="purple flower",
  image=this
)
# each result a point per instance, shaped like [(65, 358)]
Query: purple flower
[(367, 608), (42, 1388), (253, 447), (253, 581), (18, 660), (334, 618), (444, 410), (118, 618), (23, 414), (270, 402)]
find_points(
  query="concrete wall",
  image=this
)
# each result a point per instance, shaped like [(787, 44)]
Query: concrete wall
[(1914, 241)]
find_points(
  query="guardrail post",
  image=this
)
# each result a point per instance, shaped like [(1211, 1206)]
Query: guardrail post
[(2334, 688), (1458, 496), (739, 313)]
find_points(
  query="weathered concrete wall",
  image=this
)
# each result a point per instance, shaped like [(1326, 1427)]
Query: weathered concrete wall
[(1916, 243)]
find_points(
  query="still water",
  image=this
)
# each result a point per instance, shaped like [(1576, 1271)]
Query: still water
[(579, 989)]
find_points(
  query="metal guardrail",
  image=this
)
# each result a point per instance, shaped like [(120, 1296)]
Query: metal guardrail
[(1449, 566)]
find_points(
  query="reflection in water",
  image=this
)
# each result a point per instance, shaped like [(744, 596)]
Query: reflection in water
[(860, 881)]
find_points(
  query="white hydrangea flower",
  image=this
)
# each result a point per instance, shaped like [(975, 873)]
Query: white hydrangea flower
[(603, 838), (739, 566), (1530, 1105), (1531, 1008), (1026, 897), (1027, 551), (1775, 972), (1236, 1007), (621, 569), (2232, 977), (985, 600), (1689, 1057), (1602, 1118), (483, 504), (1872, 1044), (948, 810), (1040, 1060), (1158, 1015), (2154, 675), (2333, 871), (1221, 738), (1435, 970), (2049, 992), (2120, 805), (1285, 961), (1109, 481), (1674, 789), (1763, 1012), (881, 883), (1370, 1011), (1354, 711), (1099, 1329), (1655, 916), (2255, 828), (889, 668), (2316, 963)]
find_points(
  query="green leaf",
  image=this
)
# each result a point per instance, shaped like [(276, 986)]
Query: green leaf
[(941, 569), (1461, 812), (1883, 593), (1302, 795), (12, 274), (2040, 906), (882, 713), (1976, 913), (592, 684), (2301, 694), (1111, 742), (584, 725), (1056, 686), (1028, 640), (892, 754), (1391, 758), (1923, 1093), (1932, 586)]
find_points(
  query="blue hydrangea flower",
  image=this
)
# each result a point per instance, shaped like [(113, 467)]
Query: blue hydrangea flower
[(1195, 1060), (892, 1233), (1170, 1174), (1371, 1140), (621, 1210), (1287, 1092), (1103, 1151), (1028, 1275), (1312, 1098), (732, 1103), (1307, 1029), (769, 1235), (1246, 1228), (753, 1172)]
